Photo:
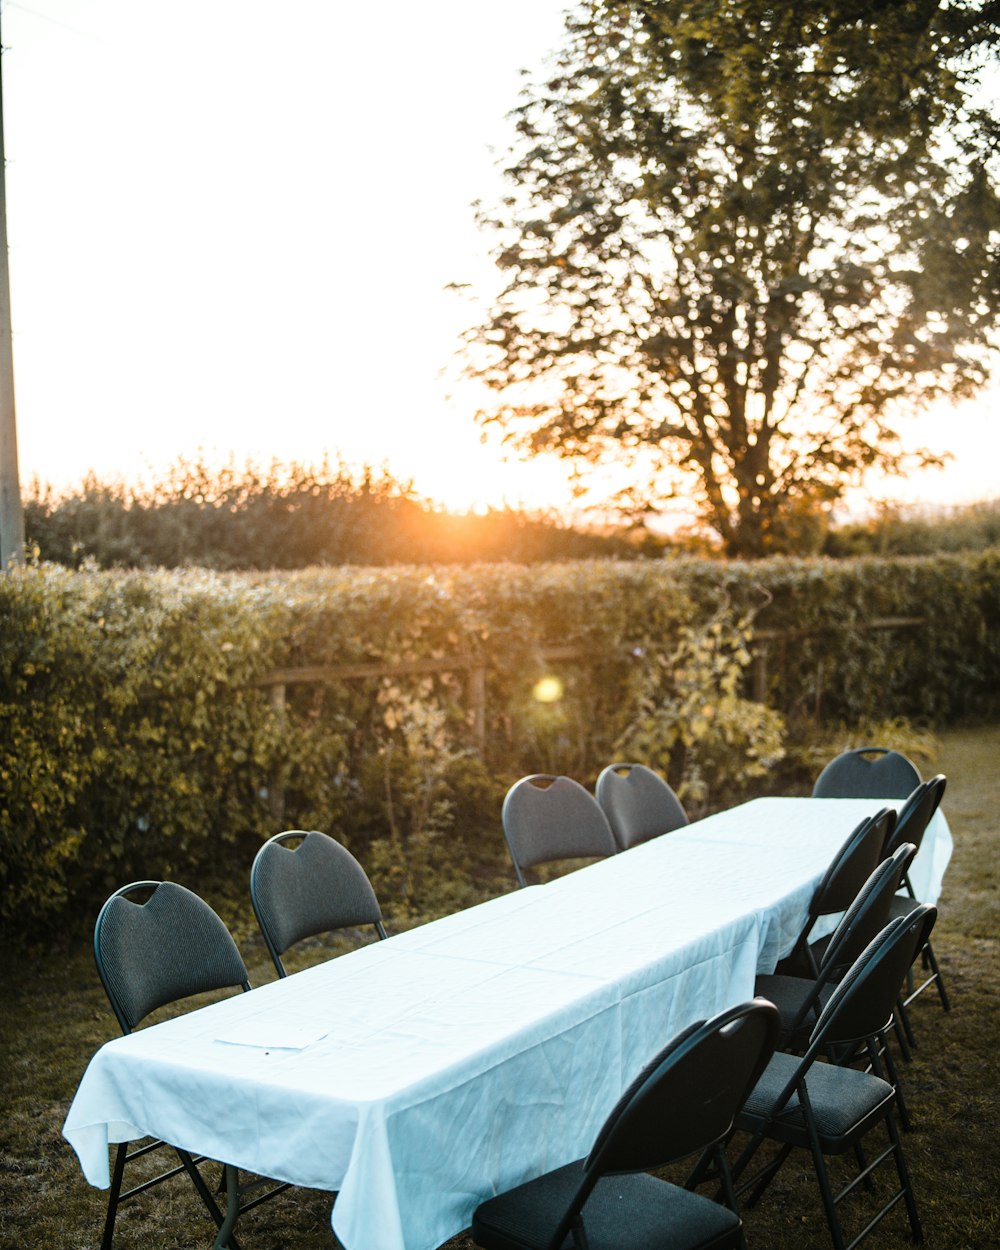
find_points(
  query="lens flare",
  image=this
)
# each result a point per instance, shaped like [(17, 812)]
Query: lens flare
[(548, 690)]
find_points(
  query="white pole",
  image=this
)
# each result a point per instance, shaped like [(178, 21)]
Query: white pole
[(11, 512)]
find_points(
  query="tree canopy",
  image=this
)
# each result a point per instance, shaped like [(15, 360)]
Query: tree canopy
[(742, 239)]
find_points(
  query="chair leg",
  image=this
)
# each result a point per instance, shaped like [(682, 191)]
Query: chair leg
[(116, 1187), (931, 963), (702, 1170), (892, 1076), (728, 1190), (188, 1165), (713, 1165), (862, 1161), (899, 1032), (882, 1064), (725, 1177), (903, 1016), (942, 992), (826, 1192), (904, 1178), (199, 1183), (765, 1176), (223, 1240)]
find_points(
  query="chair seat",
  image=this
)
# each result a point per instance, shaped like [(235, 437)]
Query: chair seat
[(789, 994), (819, 948), (633, 1212), (902, 905), (843, 1100)]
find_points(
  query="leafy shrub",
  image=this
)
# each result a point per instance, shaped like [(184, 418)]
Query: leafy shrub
[(692, 724), (140, 736)]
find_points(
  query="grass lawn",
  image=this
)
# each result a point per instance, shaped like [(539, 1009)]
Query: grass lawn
[(56, 1016)]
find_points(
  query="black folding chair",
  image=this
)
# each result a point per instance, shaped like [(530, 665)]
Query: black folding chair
[(829, 1108), (547, 818), (150, 954), (316, 887), (911, 824), (800, 1000), (867, 773), (849, 869), (638, 803), (682, 1103)]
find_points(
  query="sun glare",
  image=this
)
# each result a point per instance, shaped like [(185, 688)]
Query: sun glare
[(475, 478)]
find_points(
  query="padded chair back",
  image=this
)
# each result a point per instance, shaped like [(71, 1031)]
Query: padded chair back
[(546, 818), (916, 813), (868, 914), (687, 1097), (638, 803), (683, 1101), (867, 773), (853, 864), (863, 1003), (162, 950), (842, 882), (315, 887)]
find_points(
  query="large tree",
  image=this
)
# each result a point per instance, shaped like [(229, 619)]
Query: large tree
[(742, 239)]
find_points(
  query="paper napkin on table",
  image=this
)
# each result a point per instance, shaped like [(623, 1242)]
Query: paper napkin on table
[(272, 1035)]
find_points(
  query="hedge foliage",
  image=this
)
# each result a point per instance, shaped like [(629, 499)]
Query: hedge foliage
[(136, 738)]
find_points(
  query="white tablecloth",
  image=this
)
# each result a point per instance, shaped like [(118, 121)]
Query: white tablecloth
[(456, 1060), (780, 824)]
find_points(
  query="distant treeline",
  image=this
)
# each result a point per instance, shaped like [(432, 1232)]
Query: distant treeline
[(919, 532), (290, 516)]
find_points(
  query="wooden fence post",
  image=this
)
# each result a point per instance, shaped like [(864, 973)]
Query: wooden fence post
[(276, 792), (759, 675), (476, 698)]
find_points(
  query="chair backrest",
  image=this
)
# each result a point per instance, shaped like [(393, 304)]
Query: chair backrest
[(868, 915), (867, 773), (684, 1100), (840, 885), (162, 950), (863, 1003), (853, 864), (860, 924), (638, 803), (916, 813), (547, 818), (316, 887)]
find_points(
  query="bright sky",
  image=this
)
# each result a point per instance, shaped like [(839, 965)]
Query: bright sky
[(231, 225)]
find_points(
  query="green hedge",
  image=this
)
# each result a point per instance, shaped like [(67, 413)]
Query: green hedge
[(136, 738)]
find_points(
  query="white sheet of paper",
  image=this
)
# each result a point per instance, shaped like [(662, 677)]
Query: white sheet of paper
[(270, 1035)]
